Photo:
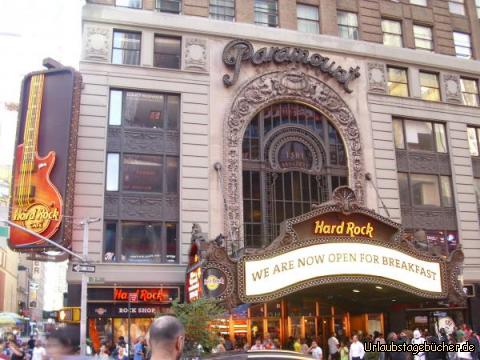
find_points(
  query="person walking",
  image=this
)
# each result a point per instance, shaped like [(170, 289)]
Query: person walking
[(316, 350), (357, 351), (121, 354), (343, 350), (39, 352), (333, 345), (103, 354), (166, 338), (462, 341), (138, 353), (418, 339)]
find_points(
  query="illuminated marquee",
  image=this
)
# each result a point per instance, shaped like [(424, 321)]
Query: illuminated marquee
[(340, 259)]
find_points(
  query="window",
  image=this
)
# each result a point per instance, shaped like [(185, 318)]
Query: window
[(463, 45), (423, 37), (170, 6), (347, 25), (136, 4), (142, 173), (126, 47), (307, 18), (476, 184), (417, 135), (403, 189), (113, 168), (428, 190), (469, 92), (456, 7), (271, 195), (222, 10), (167, 52), (419, 2), (477, 5), (392, 33), (144, 110), (473, 137), (397, 81), (266, 13), (142, 242), (429, 86)]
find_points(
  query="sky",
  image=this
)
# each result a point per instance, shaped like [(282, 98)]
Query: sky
[(31, 30)]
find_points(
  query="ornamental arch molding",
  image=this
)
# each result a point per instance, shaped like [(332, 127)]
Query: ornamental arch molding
[(265, 90)]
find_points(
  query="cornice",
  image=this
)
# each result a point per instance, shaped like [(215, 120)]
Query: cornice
[(199, 26)]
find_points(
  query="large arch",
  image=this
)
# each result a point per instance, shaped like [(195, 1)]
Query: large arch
[(262, 91)]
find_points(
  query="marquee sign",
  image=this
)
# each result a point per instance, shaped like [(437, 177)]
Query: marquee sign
[(339, 260), (238, 51), (338, 242), (42, 186)]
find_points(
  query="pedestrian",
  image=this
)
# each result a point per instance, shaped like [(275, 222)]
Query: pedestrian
[(343, 350), (138, 353), (461, 353), (62, 343), (297, 345), (316, 350), (39, 352), (475, 342), (17, 353), (121, 353), (228, 344), (333, 345), (220, 348), (357, 351), (103, 354), (258, 345), (418, 339), (304, 348), (166, 338)]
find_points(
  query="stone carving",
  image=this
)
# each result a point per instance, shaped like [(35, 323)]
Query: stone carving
[(146, 141), (377, 78), (97, 43), (111, 206), (455, 264), (287, 133), (195, 54), (139, 207), (429, 219), (451, 84), (262, 91)]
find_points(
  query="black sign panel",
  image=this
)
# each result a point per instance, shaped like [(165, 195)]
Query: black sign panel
[(214, 282), (122, 309)]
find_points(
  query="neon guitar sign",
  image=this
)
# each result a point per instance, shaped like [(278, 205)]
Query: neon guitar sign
[(36, 205)]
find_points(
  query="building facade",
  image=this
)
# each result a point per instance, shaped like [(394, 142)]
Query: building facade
[(230, 117)]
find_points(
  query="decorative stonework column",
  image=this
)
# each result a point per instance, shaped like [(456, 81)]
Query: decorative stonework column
[(195, 54), (97, 43), (451, 88), (377, 78)]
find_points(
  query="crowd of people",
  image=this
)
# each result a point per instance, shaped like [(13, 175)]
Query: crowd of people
[(342, 348)]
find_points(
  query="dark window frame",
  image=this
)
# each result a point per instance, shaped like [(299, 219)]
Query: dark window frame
[(155, 52), (477, 137), (432, 39), (397, 82), (158, 6), (466, 92), (356, 29), (258, 9), (219, 16), (439, 188), (434, 138), (160, 246), (437, 75), (139, 50), (130, 7)]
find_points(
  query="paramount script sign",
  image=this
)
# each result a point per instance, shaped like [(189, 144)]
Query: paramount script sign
[(340, 259), (237, 51)]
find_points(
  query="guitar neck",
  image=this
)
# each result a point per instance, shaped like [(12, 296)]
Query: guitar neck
[(32, 121)]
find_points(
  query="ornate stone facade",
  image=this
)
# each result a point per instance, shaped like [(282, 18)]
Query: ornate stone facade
[(278, 86), (451, 84), (195, 54), (377, 78), (98, 43)]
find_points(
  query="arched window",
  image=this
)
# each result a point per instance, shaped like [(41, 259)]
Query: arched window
[(292, 158)]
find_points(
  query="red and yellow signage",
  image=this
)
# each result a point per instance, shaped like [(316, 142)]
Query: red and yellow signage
[(143, 295), (48, 120)]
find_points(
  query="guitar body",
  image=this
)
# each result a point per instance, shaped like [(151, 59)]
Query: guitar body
[(40, 208)]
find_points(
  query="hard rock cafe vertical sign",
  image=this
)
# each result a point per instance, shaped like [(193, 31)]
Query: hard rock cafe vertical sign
[(44, 166)]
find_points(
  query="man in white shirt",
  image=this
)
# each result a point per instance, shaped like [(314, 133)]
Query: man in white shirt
[(418, 340), (258, 345), (357, 352), (333, 345), (39, 352), (316, 351)]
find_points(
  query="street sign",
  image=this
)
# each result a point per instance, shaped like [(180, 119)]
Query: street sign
[(83, 268), (440, 314)]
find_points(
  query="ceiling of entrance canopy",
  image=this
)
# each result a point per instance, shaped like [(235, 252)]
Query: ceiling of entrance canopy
[(354, 297)]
